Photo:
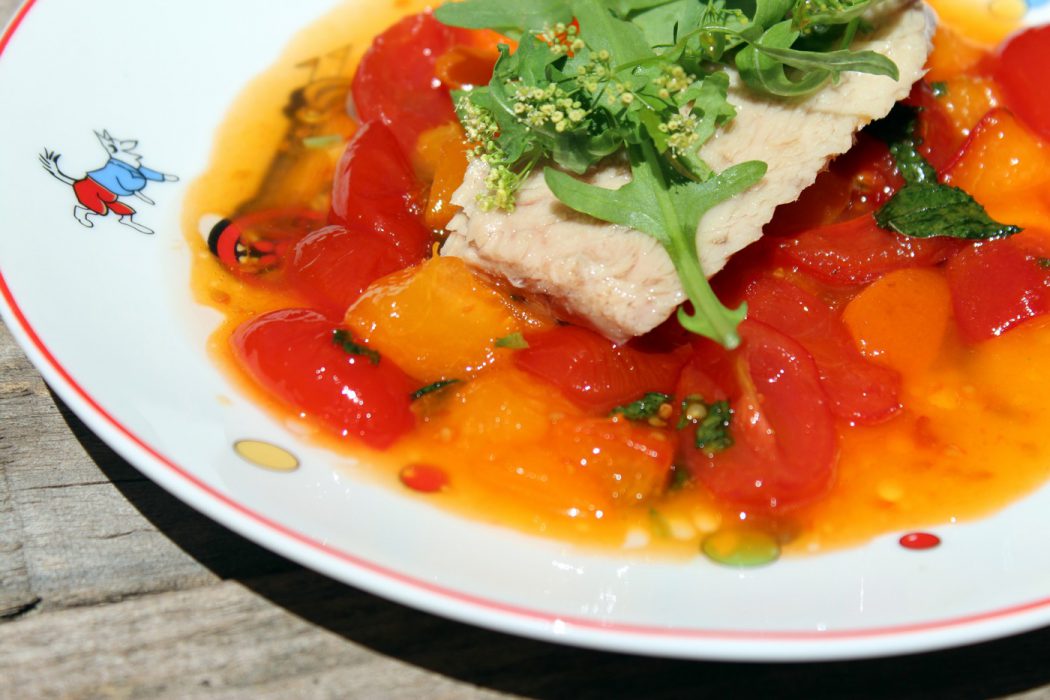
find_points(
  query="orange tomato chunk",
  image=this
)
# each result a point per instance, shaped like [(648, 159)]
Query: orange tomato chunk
[(953, 53), (967, 99), (900, 320), (439, 320), (1005, 167)]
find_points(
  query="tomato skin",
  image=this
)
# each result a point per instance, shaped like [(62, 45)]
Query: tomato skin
[(292, 355), (593, 372), (332, 266), (784, 442), (1021, 71), (375, 189), (395, 82), (857, 251), (995, 286), (859, 391)]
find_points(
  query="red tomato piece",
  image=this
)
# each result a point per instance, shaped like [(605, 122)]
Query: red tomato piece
[(1022, 69), (595, 373), (332, 267), (995, 286), (940, 140), (857, 251), (395, 81), (293, 355), (375, 189), (784, 443), (859, 391)]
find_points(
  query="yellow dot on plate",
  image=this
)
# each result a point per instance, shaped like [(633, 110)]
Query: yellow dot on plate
[(266, 455)]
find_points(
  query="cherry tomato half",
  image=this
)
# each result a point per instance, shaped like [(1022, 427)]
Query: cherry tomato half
[(857, 251), (859, 391), (1022, 69), (996, 286), (784, 443), (332, 266), (375, 189), (395, 82), (593, 372), (293, 355)]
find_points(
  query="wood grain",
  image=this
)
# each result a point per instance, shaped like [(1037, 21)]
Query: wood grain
[(111, 588)]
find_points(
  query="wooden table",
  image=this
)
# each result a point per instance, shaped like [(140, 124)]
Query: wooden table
[(111, 588)]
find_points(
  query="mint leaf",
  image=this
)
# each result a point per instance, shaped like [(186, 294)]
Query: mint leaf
[(711, 421), (344, 340), (925, 207), (431, 388), (644, 408), (930, 209)]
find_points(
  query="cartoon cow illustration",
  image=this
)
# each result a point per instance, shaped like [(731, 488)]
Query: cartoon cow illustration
[(98, 193)]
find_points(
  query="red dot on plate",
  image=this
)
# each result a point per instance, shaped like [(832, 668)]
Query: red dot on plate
[(920, 540), (424, 478)]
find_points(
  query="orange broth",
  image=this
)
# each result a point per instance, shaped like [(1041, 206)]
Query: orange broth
[(971, 437)]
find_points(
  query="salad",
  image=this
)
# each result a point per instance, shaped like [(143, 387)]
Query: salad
[(868, 360)]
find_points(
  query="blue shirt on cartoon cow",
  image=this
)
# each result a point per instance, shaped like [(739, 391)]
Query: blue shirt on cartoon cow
[(122, 179)]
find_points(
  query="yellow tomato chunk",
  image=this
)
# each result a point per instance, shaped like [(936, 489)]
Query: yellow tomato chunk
[(900, 320), (440, 320)]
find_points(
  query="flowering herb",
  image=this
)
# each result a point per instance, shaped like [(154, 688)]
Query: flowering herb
[(645, 81)]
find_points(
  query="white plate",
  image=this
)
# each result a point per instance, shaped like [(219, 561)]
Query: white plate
[(105, 314)]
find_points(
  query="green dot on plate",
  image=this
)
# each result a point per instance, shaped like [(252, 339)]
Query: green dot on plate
[(741, 548)]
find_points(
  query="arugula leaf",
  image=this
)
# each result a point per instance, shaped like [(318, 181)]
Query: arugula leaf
[(431, 388), (619, 37), (835, 62), (927, 209), (762, 63), (346, 341), (670, 213), (510, 18), (770, 12), (644, 408)]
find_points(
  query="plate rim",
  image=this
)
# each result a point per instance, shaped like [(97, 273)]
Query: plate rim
[(490, 613)]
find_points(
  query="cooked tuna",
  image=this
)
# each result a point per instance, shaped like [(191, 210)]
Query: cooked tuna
[(621, 281)]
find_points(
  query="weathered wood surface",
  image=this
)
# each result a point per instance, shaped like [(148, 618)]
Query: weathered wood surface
[(111, 588)]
